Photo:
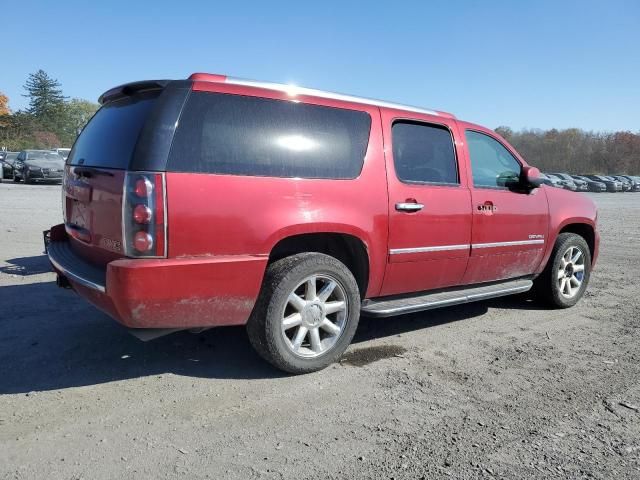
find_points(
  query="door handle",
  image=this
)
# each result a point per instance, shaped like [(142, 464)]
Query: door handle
[(409, 206)]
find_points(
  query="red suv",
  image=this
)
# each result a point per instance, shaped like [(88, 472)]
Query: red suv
[(214, 201)]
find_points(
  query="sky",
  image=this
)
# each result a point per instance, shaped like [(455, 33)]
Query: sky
[(523, 64)]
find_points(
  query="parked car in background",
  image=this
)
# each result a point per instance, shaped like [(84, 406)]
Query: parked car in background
[(566, 184), (635, 181), (63, 152), (611, 184), (331, 205), (551, 181), (38, 166), (7, 161), (581, 185), (629, 184), (592, 185)]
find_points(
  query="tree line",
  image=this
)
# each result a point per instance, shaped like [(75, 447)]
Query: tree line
[(577, 151), (51, 120)]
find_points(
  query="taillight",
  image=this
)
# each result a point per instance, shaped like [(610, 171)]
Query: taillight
[(143, 215)]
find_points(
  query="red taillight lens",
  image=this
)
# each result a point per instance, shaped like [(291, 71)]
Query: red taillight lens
[(143, 187), (142, 241), (143, 215)]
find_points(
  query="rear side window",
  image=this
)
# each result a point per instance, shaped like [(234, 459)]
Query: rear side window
[(110, 138), (240, 135), (423, 153)]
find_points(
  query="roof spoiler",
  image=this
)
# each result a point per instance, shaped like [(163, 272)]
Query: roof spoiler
[(129, 89)]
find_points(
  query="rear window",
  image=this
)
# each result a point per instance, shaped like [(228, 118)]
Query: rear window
[(109, 139), (239, 135)]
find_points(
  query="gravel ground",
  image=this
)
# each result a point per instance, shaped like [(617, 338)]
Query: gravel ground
[(501, 388)]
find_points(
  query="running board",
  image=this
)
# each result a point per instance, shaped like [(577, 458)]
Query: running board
[(386, 307)]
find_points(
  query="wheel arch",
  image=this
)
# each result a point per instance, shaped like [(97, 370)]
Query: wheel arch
[(586, 231), (345, 247)]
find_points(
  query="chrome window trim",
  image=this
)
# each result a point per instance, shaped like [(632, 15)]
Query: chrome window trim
[(453, 144), (294, 90), (439, 248), (507, 244)]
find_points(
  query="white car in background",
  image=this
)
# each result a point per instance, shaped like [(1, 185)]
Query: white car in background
[(63, 152)]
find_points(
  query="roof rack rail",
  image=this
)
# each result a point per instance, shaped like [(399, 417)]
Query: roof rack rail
[(294, 90)]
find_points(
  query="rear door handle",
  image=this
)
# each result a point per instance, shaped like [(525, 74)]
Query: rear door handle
[(409, 207)]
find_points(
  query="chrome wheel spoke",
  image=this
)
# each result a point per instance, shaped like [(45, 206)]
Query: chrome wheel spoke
[(326, 291), (333, 307), (296, 302), (329, 327), (561, 273), (563, 284), (578, 268), (574, 282), (576, 255), (568, 288), (291, 321), (310, 289), (299, 338), (314, 335)]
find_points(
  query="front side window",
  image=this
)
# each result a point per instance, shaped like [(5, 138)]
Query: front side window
[(423, 153), (242, 135), (491, 163)]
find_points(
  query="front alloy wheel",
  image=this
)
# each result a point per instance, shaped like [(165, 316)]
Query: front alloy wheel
[(571, 272), (565, 278)]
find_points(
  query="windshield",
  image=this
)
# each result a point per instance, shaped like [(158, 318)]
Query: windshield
[(43, 156)]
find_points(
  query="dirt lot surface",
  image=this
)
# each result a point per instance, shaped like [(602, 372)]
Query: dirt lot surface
[(499, 389)]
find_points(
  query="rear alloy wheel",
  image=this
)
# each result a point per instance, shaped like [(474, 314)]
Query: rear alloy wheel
[(314, 316), (566, 276), (306, 314)]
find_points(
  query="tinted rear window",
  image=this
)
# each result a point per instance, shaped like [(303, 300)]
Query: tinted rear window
[(109, 139), (238, 135)]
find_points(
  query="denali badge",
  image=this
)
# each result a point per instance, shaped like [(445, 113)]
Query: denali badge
[(535, 236)]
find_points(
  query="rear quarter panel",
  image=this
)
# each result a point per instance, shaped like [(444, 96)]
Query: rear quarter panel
[(212, 215)]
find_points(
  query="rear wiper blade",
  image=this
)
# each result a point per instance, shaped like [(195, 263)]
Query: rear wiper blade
[(90, 171)]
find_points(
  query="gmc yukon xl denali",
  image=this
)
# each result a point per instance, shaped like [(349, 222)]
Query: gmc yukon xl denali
[(212, 201)]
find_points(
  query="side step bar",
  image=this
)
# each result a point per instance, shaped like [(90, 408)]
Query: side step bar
[(389, 306)]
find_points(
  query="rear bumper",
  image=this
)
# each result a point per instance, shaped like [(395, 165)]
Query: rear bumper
[(165, 293)]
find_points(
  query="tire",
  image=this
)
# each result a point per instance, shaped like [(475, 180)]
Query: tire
[(551, 287), (277, 323), (15, 178), (26, 178)]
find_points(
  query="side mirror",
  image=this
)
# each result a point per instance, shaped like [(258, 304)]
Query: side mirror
[(530, 177)]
